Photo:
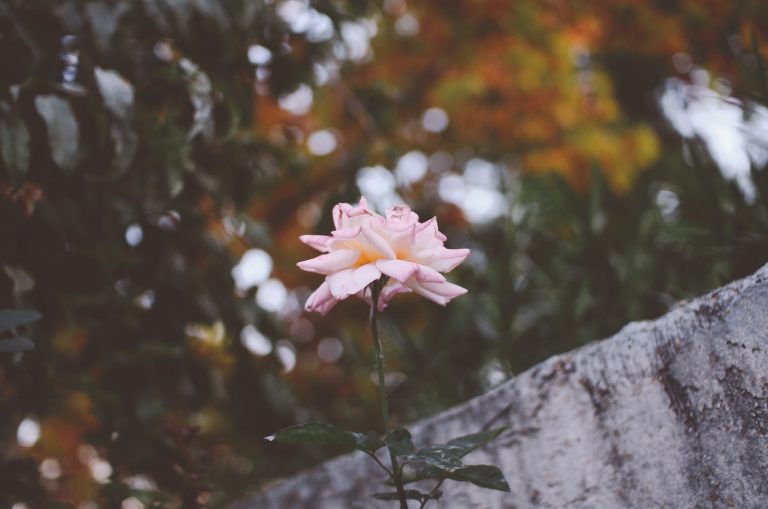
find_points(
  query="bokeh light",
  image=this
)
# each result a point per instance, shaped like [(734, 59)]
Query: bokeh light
[(50, 469), (321, 143), (259, 55), (254, 268), (330, 349), (134, 235), (286, 354), (256, 342), (378, 184), (272, 295), (298, 102), (736, 138), (28, 432), (435, 120), (411, 168)]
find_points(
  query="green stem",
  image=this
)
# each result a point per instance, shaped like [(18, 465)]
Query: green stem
[(397, 477), (432, 493), (382, 465)]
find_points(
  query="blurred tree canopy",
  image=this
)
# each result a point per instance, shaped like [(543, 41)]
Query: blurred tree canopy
[(160, 158)]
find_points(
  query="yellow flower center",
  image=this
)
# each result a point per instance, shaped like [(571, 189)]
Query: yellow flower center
[(367, 257)]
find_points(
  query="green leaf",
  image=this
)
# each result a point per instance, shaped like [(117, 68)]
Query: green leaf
[(22, 280), (399, 442), (104, 20), (409, 494), (439, 461), (10, 318), (63, 129), (462, 446), (16, 345), (118, 96), (485, 476), (370, 442), (314, 433), (116, 92), (414, 473), (325, 433), (440, 456), (14, 145)]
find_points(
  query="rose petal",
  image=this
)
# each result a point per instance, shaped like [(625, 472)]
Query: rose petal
[(345, 234), (401, 214), (330, 262), (389, 291), (321, 300), (427, 274), (348, 216), (377, 242), (441, 258), (319, 242), (349, 281), (446, 289), (427, 236), (403, 270), (399, 270), (440, 293)]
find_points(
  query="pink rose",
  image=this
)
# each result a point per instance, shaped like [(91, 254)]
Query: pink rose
[(364, 246)]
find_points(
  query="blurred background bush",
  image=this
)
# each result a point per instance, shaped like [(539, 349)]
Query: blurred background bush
[(603, 160)]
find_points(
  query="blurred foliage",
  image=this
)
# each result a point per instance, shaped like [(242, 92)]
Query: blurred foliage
[(143, 153), (10, 319)]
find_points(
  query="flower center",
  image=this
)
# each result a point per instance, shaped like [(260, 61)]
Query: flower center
[(367, 257)]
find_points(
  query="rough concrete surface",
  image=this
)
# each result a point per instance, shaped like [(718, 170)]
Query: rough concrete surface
[(669, 413)]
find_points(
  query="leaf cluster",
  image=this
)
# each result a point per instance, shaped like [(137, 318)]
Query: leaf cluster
[(438, 462)]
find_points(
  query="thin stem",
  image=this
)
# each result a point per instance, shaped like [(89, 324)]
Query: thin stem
[(382, 465), (383, 402), (397, 477), (431, 494)]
